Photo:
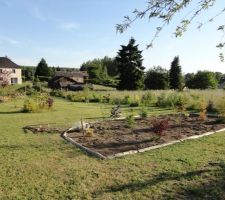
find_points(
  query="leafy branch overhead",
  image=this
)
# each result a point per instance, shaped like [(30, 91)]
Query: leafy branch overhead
[(165, 10)]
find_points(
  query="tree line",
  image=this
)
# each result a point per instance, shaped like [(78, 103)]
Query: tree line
[(126, 72)]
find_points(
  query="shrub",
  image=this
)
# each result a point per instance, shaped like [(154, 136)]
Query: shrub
[(130, 120), (134, 104), (143, 112), (211, 107), (116, 111), (30, 106), (202, 110), (160, 126), (37, 103), (148, 98), (221, 109), (126, 100), (89, 132), (57, 93), (96, 98)]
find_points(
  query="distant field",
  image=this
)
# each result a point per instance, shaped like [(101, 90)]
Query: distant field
[(46, 167)]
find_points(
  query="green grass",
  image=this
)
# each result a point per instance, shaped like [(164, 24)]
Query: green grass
[(44, 166)]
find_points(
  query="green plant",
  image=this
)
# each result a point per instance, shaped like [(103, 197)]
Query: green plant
[(221, 109), (30, 106), (211, 107), (116, 111), (143, 112), (148, 98), (130, 120)]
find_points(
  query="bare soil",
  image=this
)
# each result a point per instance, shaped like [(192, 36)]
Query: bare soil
[(115, 136)]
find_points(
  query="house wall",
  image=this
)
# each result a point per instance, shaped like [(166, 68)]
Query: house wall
[(17, 74)]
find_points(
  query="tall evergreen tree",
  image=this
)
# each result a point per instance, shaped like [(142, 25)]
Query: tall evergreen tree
[(131, 71), (175, 74), (43, 69)]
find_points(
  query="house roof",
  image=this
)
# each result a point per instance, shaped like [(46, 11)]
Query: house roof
[(79, 74), (7, 63)]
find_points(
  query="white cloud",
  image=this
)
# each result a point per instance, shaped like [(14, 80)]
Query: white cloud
[(68, 26)]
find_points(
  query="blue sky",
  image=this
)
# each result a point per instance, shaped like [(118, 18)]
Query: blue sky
[(67, 33)]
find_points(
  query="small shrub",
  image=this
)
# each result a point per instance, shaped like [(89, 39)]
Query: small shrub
[(202, 112), (143, 112), (116, 111), (221, 109), (96, 98), (148, 98), (50, 103), (134, 104), (126, 100), (30, 106), (130, 120), (211, 108), (89, 132), (160, 126)]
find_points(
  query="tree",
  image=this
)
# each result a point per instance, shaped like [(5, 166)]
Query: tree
[(4, 77), (42, 69), (111, 66), (165, 11), (28, 73), (157, 79), (202, 80), (175, 74), (97, 70), (131, 71)]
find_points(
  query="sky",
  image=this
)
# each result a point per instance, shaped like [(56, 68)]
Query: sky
[(69, 32)]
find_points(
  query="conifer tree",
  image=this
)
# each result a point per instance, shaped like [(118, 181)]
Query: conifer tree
[(175, 74), (42, 69), (130, 68)]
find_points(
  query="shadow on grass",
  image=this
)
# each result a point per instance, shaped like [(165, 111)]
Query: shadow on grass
[(12, 112), (213, 188)]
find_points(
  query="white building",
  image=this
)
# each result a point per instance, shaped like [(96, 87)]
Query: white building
[(10, 71)]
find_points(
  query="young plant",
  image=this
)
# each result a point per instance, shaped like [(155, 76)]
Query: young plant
[(130, 120), (143, 112), (89, 132), (221, 109), (159, 127), (202, 110), (116, 111)]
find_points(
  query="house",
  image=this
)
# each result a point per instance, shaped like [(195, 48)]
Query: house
[(10, 72), (75, 80)]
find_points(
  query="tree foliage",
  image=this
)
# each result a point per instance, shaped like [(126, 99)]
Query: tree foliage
[(131, 70), (202, 80), (101, 71), (157, 79), (4, 77), (165, 11), (43, 69), (175, 74)]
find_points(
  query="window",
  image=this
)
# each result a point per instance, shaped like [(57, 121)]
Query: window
[(14, 81), (14, 71), (1, 70)]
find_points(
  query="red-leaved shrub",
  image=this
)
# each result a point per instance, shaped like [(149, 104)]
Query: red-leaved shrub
[(160, 126)]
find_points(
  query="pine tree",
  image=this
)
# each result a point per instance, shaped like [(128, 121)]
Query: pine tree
[(175, 74), (131, 71), (42, 69)]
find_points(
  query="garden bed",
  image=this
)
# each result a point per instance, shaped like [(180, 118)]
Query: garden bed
[(113, 138)]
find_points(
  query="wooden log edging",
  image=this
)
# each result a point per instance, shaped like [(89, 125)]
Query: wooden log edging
[(98, 155)]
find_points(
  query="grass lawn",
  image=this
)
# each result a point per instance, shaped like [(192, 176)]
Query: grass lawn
[(46, 167)]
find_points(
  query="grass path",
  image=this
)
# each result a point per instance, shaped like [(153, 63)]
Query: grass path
[(46, 167)]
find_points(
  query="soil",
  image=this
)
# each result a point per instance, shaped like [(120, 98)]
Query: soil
[(116, 136)]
